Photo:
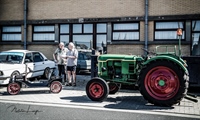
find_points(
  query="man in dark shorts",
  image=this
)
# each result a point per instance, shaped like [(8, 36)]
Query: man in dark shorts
[(72, 56), (61, 62)]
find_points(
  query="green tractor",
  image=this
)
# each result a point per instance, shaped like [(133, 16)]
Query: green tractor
[(161, 76)]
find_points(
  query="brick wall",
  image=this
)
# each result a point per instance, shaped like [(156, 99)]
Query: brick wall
[(47, 50), (60, 9), (126, 49), (10, 47), (173, 7), (11, 9)]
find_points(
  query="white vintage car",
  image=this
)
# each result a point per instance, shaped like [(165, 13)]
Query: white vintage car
[(13, 62)]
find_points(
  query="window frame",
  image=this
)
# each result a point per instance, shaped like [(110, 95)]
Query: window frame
[(82, 28), (43, 32), (10, 33), (62, 34), (100, 33), (192, 41), (170, 30), (126, 30), (73, 35)]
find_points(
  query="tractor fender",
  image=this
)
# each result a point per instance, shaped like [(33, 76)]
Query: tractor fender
[(180, 62)]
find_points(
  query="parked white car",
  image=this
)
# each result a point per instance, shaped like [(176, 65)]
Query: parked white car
[(13, 62)]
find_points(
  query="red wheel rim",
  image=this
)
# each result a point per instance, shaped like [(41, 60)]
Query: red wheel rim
[(13, 88), (96, 90), (55, 87), (162, 83)]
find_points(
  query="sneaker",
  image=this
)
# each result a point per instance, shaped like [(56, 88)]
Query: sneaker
[(69, 84)]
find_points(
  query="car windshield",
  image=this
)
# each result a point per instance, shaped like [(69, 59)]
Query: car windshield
[(11, 57)]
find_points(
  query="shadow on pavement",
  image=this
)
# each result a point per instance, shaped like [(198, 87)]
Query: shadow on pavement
[(30, 92), (122, 102), (132, 103)]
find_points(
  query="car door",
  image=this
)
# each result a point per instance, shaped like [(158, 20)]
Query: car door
[(28, 61), (38, 64)]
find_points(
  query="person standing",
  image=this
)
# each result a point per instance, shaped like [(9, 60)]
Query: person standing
[(61, 62), (72, 56)]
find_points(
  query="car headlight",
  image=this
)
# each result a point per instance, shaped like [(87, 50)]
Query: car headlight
[(1, 73)]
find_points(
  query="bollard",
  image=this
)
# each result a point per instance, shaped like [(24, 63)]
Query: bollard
[(94, 68)]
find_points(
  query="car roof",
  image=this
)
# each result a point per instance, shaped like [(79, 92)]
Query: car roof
[(84, 50), (24, 51)]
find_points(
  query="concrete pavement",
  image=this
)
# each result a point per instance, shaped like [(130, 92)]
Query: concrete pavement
[(128, 100)]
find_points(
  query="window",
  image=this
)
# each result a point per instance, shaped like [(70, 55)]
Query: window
[(196, 37), (83, 41), (125, 31), (167, 30), (44, 33), (82, 28), (64, 33), (37, 57), (83, 36), (28, 58), (101, 36), (11, 33)]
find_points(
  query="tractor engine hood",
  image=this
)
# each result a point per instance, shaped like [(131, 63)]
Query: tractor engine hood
[(106, 57)]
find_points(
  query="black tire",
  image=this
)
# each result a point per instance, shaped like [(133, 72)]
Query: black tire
[(97, 89), (13, 88), (15, 73), (163, 83), (114, 88), (46, 72), (55, 87)]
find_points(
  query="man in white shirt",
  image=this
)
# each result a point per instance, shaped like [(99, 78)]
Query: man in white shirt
[(61, 62)]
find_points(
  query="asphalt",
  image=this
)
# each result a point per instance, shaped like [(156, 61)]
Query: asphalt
[(125, 99)]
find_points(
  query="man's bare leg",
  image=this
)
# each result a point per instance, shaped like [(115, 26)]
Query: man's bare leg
[(74, 78), (69, 77)]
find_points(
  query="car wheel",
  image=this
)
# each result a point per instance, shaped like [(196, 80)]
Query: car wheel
[(46, 73), (15, 73)]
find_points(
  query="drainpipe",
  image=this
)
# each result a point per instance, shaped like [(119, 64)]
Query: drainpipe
[(146, 26), (25, 24)]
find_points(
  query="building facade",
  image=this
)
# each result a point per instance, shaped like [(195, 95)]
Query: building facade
[(114, 26)]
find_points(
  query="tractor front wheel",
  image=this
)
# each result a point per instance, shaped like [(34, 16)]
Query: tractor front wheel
[(163, 83), (97, 89)]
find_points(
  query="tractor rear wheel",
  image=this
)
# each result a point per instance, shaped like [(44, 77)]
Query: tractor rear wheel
[(163, 83), (97, 89)]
